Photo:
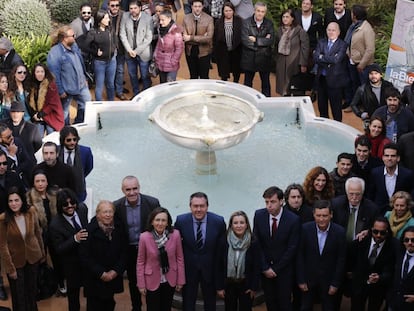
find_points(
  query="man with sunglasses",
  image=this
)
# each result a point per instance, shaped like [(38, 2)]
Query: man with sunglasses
[(67, 233), (78, 157), (84, 22), (373, 260), (402, 297)]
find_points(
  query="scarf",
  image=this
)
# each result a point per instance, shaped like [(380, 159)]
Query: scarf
[(164, 30), (37, 97), (284, 43), (107, 229), (236, 256), (161, 240), (351, 29), (397, 224)]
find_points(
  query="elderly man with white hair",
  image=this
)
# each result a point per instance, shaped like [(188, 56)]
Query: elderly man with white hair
[(8, 56)]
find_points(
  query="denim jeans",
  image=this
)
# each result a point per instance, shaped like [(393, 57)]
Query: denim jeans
[(105, 74), (81, 98), (119, 75), (133, 64), (42, 127), (168, 76)]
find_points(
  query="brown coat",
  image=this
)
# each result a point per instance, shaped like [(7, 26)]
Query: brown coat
[(204, 36), (362, 48), (16, 251)]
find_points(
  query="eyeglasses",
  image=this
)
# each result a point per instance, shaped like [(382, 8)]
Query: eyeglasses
[(407, 240), (4, 163), (68, 204), (86, 13), (114, 5), (380, 232), (68, 140), (21, 72)]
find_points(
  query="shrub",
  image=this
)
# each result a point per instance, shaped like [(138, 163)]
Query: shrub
[(33, 49), (20, 18), (65, 11)]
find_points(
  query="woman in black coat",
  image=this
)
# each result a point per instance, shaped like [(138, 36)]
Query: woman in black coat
[(103, 256), (238, 265), (227, 43)]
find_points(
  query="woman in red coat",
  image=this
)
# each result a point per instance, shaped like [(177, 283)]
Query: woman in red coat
[(160, 263), (44, 102), (169, 47)]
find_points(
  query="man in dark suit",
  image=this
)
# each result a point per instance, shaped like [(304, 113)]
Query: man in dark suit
[(67, 231), (133, 210), (26, 131), (406, 147), (372, 262), (402, 295), (200, 232), (339, 14), (332, 74), (278, 232), (311, 22), (362, 161), (78, 157), (389, 178), (321, 258), (8, 56)]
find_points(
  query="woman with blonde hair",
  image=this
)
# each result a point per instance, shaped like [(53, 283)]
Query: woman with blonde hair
[(400, 217)]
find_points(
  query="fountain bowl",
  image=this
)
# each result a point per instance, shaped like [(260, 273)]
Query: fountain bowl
[(206, 120)]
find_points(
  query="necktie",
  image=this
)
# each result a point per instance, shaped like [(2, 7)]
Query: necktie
[(406, 266), (199, 241), (374, 253), (351, 225), (195, 31), (274, 226), (75, 224), (330, 43), (69, 159)]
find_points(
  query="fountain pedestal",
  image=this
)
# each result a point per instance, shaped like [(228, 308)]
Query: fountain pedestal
[(206, 163)]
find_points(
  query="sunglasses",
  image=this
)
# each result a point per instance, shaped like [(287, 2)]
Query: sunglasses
[(114, 5), (86, 13), (380, 232), (407, 240), (21, 72), (68, 140), (68, 204), (3, 163)]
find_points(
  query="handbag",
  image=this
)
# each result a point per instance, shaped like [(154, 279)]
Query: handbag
[(153, 69)]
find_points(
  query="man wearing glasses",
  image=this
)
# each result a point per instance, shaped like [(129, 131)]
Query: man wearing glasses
[(372, 262), (402, 298), (78, 157), (84, 22)]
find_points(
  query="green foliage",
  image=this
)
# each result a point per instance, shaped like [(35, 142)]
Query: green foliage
[(383, 40), (20, 18), (33, 49), (65, 11)]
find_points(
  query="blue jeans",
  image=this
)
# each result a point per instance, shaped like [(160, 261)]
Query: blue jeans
[(81, 98), (42, 127), (133, 64), (168, 76), (119, 75), (105, 74)]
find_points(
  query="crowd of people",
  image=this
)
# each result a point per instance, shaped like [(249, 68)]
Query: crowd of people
[(347, 232)]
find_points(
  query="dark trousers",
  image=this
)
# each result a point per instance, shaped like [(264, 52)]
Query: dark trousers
[(264, 77), (96, 303), (160, 299), (190, 291), (198, 66), (235, 297), (373, 294), (277, 292), (334, 95), (73, 276), (132, 278), (328, 302), (24, 288)]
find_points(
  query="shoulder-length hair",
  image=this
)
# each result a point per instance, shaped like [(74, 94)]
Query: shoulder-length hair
[(22, 196), (155, 212)]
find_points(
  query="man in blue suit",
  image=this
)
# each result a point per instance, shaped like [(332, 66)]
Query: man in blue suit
[(200, 232), (321, 258), (389, 178), (332, 75), (79, 157), (278, 231)]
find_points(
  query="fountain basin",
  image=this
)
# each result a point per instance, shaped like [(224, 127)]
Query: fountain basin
[(206, 120)]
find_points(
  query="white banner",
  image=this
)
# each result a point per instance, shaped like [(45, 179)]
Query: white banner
[(400, 64)]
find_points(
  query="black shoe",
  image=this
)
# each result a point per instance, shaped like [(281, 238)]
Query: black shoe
[(3, 293), (125, 91)]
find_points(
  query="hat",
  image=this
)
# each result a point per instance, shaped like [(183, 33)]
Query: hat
[(5, 44), (17, 107), (374, 67)]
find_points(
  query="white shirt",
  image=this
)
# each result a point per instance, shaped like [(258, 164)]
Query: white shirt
[(277, 219), (410, 266), (322, 235), (306, 22), (390, 181), (378, 249)]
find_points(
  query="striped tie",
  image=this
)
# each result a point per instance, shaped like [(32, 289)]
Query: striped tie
[(199, 241)]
